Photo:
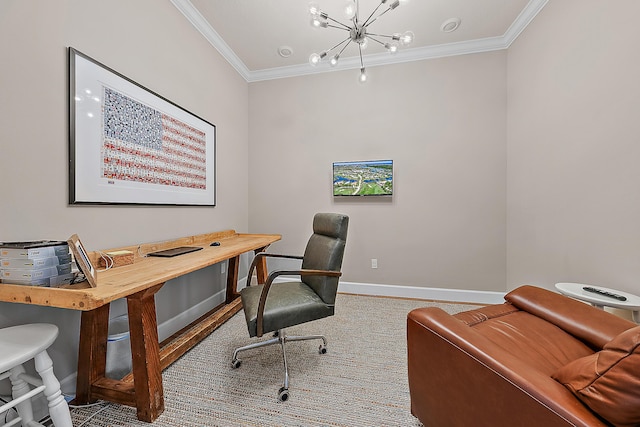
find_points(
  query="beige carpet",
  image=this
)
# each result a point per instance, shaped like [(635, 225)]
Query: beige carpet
[(361, 381)]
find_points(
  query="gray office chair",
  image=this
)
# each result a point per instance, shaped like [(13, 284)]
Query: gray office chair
[(274, 306)]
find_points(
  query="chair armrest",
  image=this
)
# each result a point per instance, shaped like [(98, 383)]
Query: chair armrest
[(459, 377), (272, 277), (258, 258)]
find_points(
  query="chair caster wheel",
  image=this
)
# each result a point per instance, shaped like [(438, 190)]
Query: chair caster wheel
[(322, 349), (235, 364), (283, 394)]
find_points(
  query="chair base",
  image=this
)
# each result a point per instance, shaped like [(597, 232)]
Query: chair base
[(280, 337)]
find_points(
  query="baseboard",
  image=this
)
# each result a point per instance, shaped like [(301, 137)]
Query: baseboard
[(438, 294), (397, 291)]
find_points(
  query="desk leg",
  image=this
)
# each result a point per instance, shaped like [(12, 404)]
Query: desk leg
[(261, 268), (92, 353), (145, 353), (232, 279), (232, 275)]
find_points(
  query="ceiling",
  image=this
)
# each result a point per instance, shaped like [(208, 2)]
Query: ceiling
[(249, 33)]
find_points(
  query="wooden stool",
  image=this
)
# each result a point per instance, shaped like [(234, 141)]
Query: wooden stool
[(19, 344)]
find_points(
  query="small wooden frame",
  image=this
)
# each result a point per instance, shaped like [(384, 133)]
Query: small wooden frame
[(82, 259)]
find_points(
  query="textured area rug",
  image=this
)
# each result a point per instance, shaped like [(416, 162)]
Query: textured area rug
[(360, 381)]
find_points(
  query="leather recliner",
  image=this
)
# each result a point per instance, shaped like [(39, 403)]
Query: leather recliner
[(495, 366)]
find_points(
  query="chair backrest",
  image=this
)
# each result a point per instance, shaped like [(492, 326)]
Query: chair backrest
[(325, 251)]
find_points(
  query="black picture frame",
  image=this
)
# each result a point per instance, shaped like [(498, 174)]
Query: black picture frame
[(129, 145)]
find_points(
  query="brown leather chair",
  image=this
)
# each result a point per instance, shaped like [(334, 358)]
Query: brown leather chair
[(274, 306), (495, 366)]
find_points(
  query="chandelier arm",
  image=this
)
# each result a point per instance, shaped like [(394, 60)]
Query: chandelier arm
[(372, 13), (348, 39), (375, 40), (339, 28), (374, 19), (379, 35), (343, 26), (345, 46), (360, 50)]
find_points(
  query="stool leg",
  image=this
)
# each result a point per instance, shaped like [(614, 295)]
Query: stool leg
[(58, 408), (19, 387)]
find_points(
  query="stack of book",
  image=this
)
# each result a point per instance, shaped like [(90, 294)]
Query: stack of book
[(36, 263)]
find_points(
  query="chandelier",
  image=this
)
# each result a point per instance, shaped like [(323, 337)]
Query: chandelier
[(358, 32)]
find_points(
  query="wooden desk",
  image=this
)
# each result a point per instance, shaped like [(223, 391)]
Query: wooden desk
[(138, 283)]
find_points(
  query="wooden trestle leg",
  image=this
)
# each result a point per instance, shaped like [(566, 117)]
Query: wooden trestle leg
[(232, 274), (261, 268), (145, 354), (92, 352), (232, 279), (146, 392)]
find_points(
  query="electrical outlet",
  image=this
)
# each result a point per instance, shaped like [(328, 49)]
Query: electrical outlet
[(223, 268), (374, 263)]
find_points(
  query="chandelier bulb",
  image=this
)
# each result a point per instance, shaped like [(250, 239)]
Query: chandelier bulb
[(334, 60), (364, 43), (314, 8), (318, 22), (407, 38), (350, 9), (363, 75), (315, 58), (391, 47)]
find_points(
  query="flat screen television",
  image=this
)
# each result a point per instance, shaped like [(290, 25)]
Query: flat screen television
[(363, 178)]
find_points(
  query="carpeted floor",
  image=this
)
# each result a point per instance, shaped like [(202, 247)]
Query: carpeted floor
[(361, 381)]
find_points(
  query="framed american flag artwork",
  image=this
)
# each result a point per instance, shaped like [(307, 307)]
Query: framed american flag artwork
[(129, 145)]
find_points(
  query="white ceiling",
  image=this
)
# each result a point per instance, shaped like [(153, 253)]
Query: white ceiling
[(248, 33)]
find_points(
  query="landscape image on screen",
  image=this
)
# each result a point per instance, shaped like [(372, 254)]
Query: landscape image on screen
[(371, 178)]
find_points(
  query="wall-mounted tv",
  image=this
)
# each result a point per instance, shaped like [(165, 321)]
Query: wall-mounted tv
[(366, 178)]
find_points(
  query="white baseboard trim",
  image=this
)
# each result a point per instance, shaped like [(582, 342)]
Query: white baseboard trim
[(439, 294), (415, 292), (68, 385)]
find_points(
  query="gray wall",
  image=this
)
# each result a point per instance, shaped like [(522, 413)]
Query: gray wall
[(443, 122), (150, 42), (573, 152)]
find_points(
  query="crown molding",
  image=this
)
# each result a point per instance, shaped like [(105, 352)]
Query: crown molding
[(409, 55), (197, 20), (523, 20), (374, 60)]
